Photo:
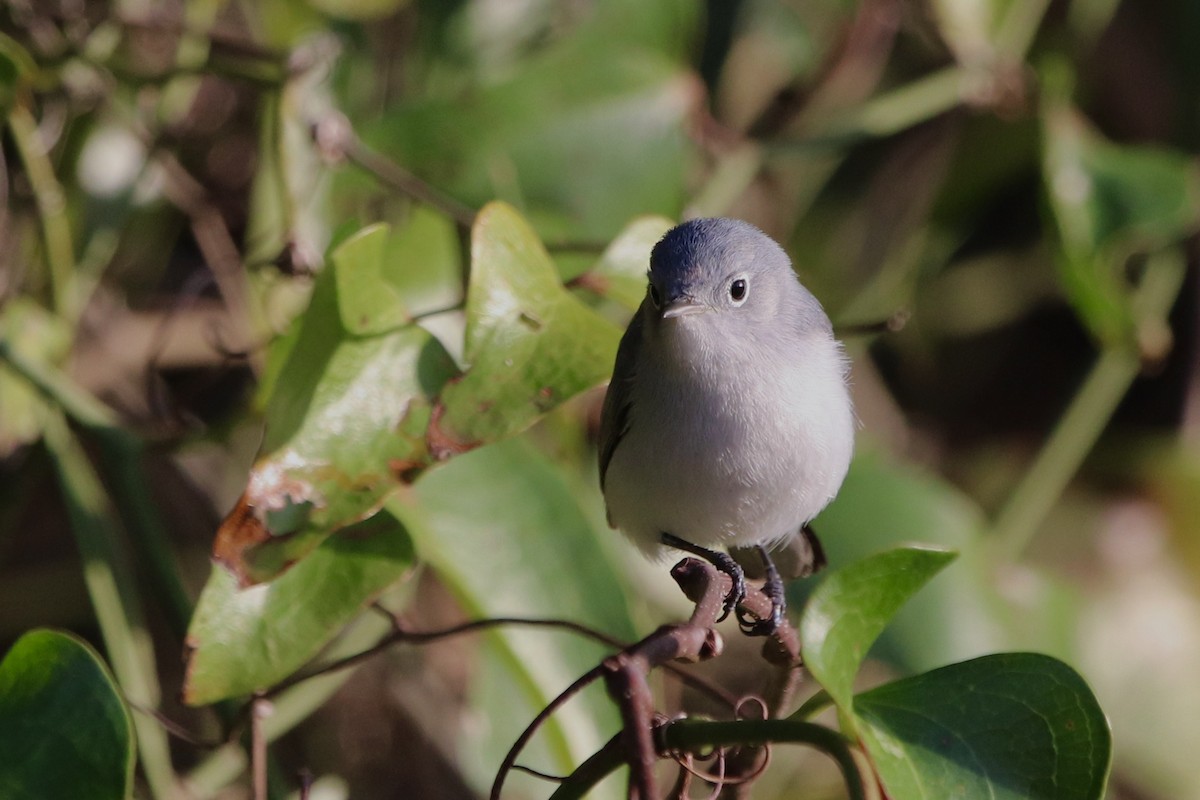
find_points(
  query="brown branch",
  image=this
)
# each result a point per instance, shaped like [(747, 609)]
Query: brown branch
[(625, 674), (217, 246), (336, 139)]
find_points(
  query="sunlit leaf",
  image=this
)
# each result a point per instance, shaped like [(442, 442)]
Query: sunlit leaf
[(620, 274), (530, 344), (246, 639), (64, 730), (367, 302), (1016, 726), (423, 262), (385, 276), (851, 607)]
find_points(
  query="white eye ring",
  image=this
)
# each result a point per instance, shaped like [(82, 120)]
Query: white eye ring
[(739, 289)]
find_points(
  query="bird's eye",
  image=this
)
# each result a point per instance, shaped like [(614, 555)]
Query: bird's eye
[(737, 290), (654, 297)]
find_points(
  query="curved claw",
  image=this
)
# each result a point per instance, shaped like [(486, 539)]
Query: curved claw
[(737, 593), (773, 589)]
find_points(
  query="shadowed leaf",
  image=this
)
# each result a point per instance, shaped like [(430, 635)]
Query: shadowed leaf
[(1015, 726), (64, 731)]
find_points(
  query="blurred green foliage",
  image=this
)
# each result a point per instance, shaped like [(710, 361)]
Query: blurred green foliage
[(240, 228)]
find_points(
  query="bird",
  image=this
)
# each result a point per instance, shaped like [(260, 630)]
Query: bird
[(728, 422)]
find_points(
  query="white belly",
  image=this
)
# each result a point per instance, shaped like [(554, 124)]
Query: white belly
[(719, 464)]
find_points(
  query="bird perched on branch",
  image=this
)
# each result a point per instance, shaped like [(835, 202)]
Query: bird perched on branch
[(728, 422)]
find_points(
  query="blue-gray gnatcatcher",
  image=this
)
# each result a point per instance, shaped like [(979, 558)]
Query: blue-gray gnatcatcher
[(728, 422)]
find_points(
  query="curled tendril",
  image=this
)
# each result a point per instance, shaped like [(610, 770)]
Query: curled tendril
[(752, 699), (719, 779)]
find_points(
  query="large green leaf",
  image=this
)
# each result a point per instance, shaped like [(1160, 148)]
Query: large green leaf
[(384, 276), (243, 640), (851, 607), (530, 344), (1015, 726), (64, 731), (521, 545)]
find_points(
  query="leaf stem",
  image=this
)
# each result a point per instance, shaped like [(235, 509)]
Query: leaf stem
[(694, 735), (121, 452), (110, 584), (1089, 413), (52, 207)]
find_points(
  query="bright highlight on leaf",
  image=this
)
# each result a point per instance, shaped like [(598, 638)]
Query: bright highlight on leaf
[(64, 731), (851, 607)]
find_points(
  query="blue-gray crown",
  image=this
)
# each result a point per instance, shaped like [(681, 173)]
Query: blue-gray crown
[(697, 243)]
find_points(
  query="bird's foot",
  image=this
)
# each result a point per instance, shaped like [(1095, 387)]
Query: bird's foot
[(724, 563), (751, 624)]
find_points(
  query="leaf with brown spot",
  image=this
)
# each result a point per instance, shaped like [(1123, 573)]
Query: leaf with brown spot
[(343, 409)]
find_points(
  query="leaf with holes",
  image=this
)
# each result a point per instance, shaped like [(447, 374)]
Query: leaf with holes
[(346, 423), (244, 639)]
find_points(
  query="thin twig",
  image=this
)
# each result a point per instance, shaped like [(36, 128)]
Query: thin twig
[(336, 138), (216, 244), (510, 758), (260, 709)]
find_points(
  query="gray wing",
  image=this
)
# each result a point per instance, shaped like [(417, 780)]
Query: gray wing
[(614, 420)]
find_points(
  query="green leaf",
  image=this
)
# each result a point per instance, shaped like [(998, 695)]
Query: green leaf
[(385, 277), (529, 342), (620, 274), (1110, 202), (423, 262), (883, 504), (522, 546), (367, 302), (346, 424), (64, 730), (1014, 726), (852, 606), (243, 640)]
